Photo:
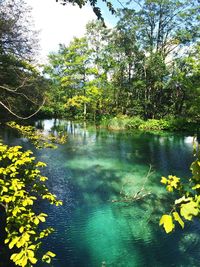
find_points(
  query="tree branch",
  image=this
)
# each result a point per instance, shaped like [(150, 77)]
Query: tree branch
[(17, 93), (23, 118)]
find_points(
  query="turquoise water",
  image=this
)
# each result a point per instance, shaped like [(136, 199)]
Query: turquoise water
[(88, 173)]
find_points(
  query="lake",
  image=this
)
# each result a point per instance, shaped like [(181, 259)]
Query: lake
[(95, 227)]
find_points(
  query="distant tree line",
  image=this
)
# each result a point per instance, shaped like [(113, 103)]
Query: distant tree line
[(147, 65)]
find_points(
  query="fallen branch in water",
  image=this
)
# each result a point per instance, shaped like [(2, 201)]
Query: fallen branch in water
[(133, 198), (127, 197)]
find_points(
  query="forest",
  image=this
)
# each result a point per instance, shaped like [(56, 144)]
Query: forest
[(141, 74), (147, 67)]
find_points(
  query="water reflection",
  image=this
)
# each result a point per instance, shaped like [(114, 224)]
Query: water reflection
[(88, 172)]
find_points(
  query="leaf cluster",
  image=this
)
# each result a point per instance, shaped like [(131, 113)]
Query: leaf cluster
[(187, 206), (21, 186), (38, 138)]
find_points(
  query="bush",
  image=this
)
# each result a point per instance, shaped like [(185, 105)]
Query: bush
[(155, 125), (122, 122), (117, 123), (134, 123)]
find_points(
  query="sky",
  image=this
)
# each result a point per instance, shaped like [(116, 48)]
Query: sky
[(59, 24)]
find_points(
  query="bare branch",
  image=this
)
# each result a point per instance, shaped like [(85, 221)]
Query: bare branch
[(23, 118), (138, 195), (17, 93)]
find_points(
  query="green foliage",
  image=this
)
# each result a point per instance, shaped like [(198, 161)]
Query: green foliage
[(21, 186), (38, 138), (77, 101), (121, 122), (21, 84), (187, 206), (154, 125), (134, 122), (136, 67), (117, 123), (74, 87)]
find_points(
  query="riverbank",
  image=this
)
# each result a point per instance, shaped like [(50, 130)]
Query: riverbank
[(123, 122)]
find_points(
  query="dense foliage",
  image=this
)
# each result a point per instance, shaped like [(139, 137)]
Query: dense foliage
[(22, 185), (142, 74), (21, 85), (147, 65)]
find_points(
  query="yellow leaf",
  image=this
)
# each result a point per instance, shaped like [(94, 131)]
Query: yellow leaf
[(178, 219), (51, 254), (188, 210), (13, 242), (196, 186), (169, 188), (24, 261), (182, 199), (21, 229), (12, 169), (30, 253), (167, 222), (33, 260), (163, 180), (36, 221)]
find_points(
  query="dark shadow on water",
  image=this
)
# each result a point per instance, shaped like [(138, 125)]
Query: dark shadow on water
[(89, 229)]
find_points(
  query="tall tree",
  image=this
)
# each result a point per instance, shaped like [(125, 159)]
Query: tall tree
[(164, 25), (71, 71), (19, 81), (17, 36), (163, 30)]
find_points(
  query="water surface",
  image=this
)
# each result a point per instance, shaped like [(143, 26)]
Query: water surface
[(88, 173)]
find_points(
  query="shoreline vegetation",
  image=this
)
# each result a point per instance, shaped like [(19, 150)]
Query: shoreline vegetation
[(124, 122)]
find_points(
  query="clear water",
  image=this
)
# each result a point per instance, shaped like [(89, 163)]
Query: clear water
[(88, 172)]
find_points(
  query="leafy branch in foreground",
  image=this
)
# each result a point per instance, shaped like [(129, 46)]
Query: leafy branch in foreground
[(188, 205), (21, 186)]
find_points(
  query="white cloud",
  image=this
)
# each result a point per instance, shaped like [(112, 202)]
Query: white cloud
[(57, 23)]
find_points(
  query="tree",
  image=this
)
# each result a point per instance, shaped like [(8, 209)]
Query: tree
[(72, 72), (163, 26), (157, 30), (17, 37), (20, 82), (99, 41)]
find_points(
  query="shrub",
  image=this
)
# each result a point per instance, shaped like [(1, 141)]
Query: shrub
[(154, 125), (134, 123)]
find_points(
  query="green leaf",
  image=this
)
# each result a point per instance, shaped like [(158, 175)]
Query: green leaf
[(167, 222)]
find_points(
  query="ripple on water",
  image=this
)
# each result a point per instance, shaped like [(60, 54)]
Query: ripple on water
[(89, 171)]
